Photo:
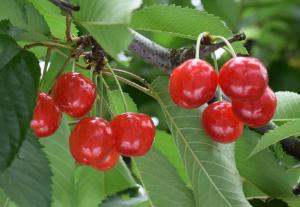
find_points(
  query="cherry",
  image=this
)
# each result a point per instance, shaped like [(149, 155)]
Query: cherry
[(108, 162), (91, 140), (47, 116), (74, 94), (193, 83), (256, 113), (243, 78), (220, 123), (134, 133)]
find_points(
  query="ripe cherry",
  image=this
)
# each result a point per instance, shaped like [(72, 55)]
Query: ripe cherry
[(256, 113), (47, 116), (193, 83), (220, 123), (134, 133), (243, 78), (91, 140), (110, 160), (74, 94)]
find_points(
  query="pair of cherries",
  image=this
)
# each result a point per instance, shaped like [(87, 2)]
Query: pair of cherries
[(72, 94), (98, 143), (243, 79), (94, 141)]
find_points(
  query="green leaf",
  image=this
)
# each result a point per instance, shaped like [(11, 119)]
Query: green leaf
[(27, 181), (181, 22), (284, 131), (116, 102), (108, 22), (165, 189), (8, 29), (23, 15), (210, 166), (116, 201), (5, 201), (288, 106), (166, 145), (54, 18), (79, 186), (19, 77), (230, 11), (262, 170)]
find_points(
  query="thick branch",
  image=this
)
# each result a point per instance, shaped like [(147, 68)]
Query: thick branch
[(65, 5), (167, 59)]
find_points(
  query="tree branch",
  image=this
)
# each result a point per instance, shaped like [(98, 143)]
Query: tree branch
[(167, 59), (65, 6)]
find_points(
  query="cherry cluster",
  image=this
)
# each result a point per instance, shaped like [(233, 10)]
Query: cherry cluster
[(242, 79), (94, 141)]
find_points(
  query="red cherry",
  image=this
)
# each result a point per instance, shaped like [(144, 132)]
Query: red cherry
[(193, 83), (220, 123), (47, 116), (243, 78), (74, 94), (256, 113), (91, 140), (108, 162), (134, 133)]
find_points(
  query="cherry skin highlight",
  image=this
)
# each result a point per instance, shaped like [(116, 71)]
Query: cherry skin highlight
[(91, 140), (193, 83), (256, 113), (47, 116), (243, 78), (110, 160), (74, 94), (134, 133), (220, 123)]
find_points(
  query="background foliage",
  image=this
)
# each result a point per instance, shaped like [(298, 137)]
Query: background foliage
[(184, 168)]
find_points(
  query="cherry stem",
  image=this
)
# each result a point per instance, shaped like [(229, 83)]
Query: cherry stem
[(119, 86), (219, 91), (47, 44), (198, 44), (228, 45), (68, 28), (136, 77), (73, 66), (47, 60)]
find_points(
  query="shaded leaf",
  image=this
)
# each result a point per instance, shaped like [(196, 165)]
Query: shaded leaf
[(8, 29), (164, 142), (27, 182), (210, 166), (19, 77), (167, 189)]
